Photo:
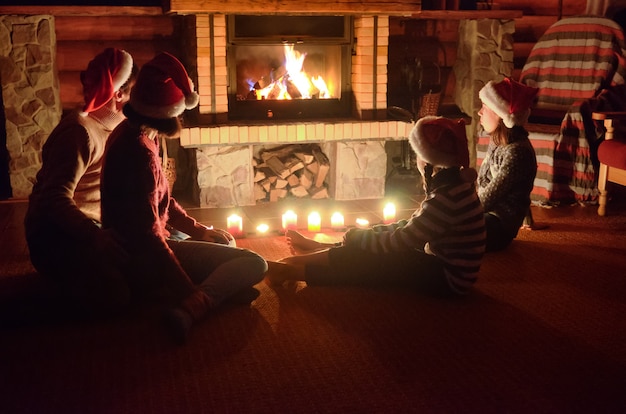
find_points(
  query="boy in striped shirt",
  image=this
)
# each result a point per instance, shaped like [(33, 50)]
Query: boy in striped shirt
[(438, 250)]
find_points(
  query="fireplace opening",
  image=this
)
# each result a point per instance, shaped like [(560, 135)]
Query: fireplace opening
[(289, 67)]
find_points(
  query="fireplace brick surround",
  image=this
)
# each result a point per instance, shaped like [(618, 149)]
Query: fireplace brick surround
[(361, 139)]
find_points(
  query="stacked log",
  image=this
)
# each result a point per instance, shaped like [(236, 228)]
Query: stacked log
[(298, 170)]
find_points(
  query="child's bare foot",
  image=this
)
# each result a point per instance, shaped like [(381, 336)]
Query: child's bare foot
[(299, 244), (535, 226)]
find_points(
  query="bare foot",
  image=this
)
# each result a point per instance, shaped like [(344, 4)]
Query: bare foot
[(535, 226), (299, 244)]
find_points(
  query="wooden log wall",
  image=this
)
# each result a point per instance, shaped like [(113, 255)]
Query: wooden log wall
[(82, 32), (80, 38), (435, 39)]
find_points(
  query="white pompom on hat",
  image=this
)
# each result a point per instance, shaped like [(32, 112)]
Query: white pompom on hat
[(105, 74), (163, 89), (509, 99), (440, 142)]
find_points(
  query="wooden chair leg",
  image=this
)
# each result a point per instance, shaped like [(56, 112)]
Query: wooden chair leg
[(604, 194), (602, 203)]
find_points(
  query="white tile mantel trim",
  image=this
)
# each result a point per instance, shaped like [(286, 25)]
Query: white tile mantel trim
[(299, 132)]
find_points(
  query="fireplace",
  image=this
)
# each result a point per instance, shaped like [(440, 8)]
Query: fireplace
[(289, 67), (239, 55)]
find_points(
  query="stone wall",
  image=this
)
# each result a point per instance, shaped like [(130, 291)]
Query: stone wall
[(30, 93), (485, 52)]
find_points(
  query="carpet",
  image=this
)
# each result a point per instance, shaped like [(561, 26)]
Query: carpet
[(543, 331)]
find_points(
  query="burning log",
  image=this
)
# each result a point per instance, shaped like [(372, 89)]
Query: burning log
[(293, 90)]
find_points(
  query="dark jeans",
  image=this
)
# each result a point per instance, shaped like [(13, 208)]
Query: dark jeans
[(353, 267), (220, 271)]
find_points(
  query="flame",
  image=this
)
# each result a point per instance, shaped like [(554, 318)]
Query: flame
[(291, 81)]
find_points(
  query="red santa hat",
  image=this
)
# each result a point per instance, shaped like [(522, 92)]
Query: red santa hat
[(105, 74), (509, 99), (440, 142), (163, 89)]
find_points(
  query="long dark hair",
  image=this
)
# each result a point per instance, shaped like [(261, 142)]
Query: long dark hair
[(170, 127), (504, 135)]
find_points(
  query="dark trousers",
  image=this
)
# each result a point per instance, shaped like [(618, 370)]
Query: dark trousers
[(351, 266), (498, 237)]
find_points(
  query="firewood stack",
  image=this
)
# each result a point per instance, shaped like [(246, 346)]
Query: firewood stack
[(298, 170)]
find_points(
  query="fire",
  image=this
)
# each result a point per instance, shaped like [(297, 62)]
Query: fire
[(290, 81)]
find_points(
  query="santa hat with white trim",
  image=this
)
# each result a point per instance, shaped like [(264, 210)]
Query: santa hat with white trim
[(105, 74), (440, 142), (163, 89), (509, 99)]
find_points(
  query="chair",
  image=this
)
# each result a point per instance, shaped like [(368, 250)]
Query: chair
[(611, 155), (572, 64)]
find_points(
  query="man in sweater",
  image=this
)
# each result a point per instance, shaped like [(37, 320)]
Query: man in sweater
[(66, 243)]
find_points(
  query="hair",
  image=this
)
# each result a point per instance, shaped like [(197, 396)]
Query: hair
[(125, 88), (427, 177), (169, 127), (431, 171), (504, 135)]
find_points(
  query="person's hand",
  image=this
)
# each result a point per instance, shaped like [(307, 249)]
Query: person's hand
[(218, 236), (109, 244)]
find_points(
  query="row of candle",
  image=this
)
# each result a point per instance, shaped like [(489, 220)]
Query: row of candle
[(234, 222)]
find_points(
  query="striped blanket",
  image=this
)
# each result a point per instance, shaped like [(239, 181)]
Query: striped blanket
[(576, 64)]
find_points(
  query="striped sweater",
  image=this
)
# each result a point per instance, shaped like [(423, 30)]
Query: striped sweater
[(449, 225)]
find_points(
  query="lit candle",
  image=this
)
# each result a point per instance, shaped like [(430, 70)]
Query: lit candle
[(389, 213), (336, 221), (315, 221), (290, 220), (362, 223), (234, 225), (262, 228)]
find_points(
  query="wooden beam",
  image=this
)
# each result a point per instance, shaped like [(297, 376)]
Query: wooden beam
[(467, 14), (110, 27), (82, 10), (385, 7)]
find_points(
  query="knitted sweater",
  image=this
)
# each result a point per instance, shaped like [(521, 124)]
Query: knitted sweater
[(136, 200), (505, 181), (66, 194), (449, 225)]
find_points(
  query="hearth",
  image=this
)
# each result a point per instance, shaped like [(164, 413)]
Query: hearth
[(289, 67), (240, 55)]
